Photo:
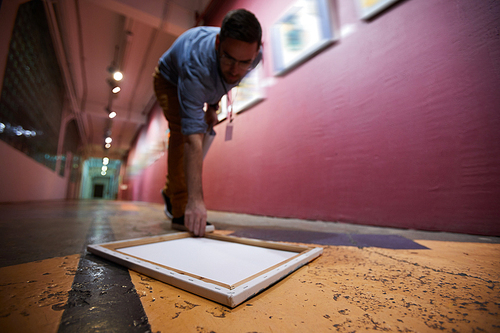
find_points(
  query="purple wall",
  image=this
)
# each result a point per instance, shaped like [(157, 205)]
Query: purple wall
[(397, 124)]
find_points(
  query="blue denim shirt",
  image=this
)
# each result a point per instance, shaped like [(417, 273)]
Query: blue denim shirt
[(191, 65)]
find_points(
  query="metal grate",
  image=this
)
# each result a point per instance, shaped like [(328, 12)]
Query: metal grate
[(32, 97)]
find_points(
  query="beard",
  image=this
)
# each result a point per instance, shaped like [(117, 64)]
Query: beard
[(231, 79)]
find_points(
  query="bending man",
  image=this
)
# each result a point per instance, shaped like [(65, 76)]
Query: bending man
[(201, 66)]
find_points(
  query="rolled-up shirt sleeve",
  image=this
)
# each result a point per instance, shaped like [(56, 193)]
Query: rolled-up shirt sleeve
[(192, 94)]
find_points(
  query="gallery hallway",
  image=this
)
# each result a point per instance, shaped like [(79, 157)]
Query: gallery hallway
[(49, 283)]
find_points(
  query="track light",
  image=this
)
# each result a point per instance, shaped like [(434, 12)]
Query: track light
[(111, 114), (118, 76), (115, 88)]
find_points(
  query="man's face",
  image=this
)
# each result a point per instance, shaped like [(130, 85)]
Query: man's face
[(235, 58)]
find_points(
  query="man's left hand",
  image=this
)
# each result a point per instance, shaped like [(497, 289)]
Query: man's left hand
[(211, 116)]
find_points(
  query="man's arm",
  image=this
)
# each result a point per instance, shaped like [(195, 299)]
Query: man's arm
[(195, 216)]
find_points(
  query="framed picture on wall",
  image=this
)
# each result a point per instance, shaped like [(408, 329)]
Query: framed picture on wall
[(369, 8), (223, 110), (302, 31), (249, 92), (242, 97)]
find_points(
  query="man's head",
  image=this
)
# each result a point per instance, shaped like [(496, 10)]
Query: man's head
[(238, 44), (241, 25)]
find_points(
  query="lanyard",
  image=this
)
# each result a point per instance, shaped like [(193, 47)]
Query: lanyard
[(230, 101)]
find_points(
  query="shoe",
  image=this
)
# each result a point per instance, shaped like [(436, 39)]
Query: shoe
[(168, 205), (178, 224)]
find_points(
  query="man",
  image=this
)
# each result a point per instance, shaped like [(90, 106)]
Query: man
[(202, 65)]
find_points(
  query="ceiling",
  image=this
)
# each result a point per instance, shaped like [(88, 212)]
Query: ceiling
[(93, 35)]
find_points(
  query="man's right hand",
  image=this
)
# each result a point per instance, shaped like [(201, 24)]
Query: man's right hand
[(195, 217)]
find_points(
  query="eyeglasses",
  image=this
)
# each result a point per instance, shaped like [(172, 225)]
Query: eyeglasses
[(227, 60)]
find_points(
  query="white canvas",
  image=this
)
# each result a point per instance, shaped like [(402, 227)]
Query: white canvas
[(235, 262), (227, 270)]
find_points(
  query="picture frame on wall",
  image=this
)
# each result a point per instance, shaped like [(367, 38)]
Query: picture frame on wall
[(301, 32), (369, 8), (223, 109), (249, 92)]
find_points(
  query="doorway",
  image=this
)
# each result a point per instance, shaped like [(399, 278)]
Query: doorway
[(98, 191), (100, 178)]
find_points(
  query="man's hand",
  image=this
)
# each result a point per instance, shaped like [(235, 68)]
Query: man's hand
[(211, 116), (195, 217)]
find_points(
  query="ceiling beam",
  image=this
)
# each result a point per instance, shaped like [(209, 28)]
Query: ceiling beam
[(165, 15)]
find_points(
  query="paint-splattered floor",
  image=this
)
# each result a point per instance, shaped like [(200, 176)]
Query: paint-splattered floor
[(49, 283)]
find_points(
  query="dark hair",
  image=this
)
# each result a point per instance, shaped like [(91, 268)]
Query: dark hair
[(242, 25)]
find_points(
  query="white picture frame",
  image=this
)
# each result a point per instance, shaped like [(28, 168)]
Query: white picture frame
[(224, 269), (249, 92), (223, 109), (301, 32), (369, 8)]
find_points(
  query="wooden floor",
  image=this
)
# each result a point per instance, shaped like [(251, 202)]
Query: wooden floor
[(49, 283)]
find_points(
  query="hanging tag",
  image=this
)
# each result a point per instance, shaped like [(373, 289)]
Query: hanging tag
[(229, 126), (229, 131)]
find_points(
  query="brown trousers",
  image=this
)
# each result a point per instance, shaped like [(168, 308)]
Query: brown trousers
[(175, 187)]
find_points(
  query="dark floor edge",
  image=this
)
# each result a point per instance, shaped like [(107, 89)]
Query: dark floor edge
[(102, 297), (394, 242)]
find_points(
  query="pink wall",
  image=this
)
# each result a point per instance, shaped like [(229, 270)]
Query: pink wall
[(147, 161), (24, 179), (397, 124)]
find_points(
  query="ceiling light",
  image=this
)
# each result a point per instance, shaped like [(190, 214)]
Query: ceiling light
[(108, 140), (107, 145), (112, 114), (118, 76), (105, 161), (114, 85)]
